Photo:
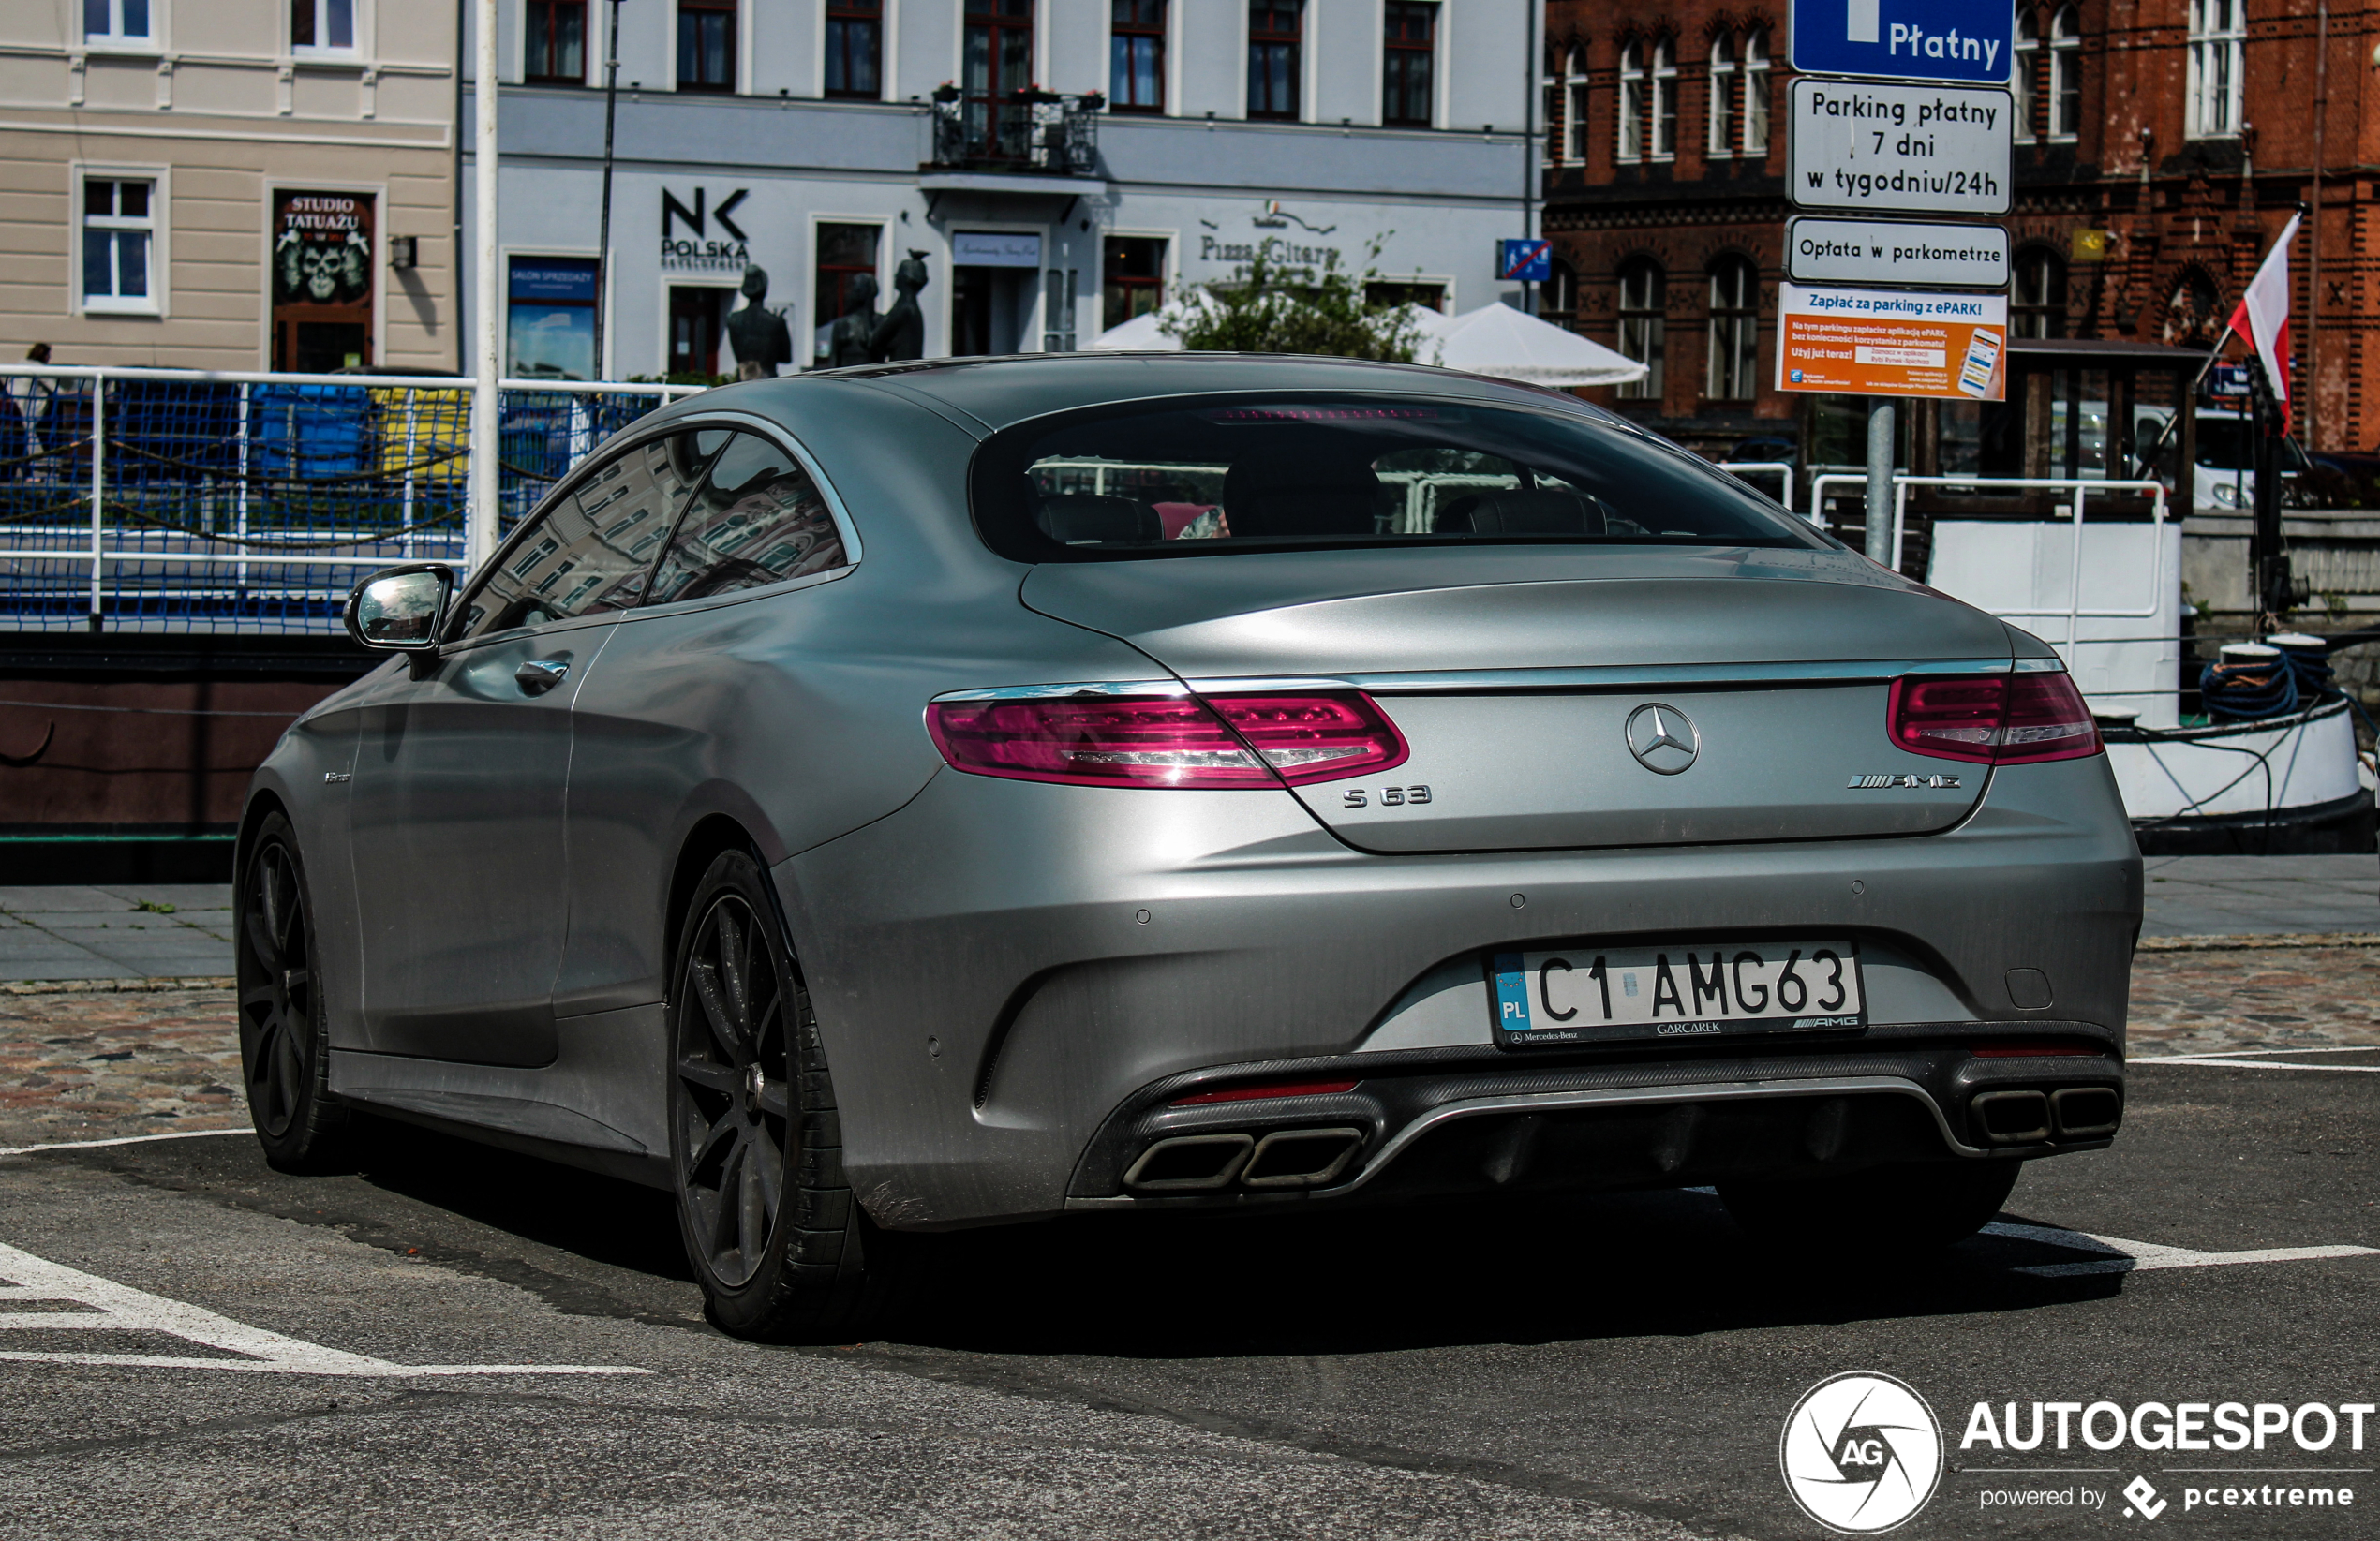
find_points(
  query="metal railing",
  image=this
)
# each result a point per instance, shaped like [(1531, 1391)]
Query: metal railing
[(1042, 133), (1781, 469), (216, 500), (2075, 613)]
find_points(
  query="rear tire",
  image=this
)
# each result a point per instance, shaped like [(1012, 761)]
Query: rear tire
[(284, 1027), (1885, 1212), (776, 1237)]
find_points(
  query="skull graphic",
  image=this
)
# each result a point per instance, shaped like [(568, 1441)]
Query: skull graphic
[(319, 268)]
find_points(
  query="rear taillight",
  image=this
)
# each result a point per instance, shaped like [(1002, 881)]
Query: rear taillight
[(1168, 741), (1992, 720)]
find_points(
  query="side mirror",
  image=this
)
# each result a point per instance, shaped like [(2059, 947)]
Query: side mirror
[(400, 609)]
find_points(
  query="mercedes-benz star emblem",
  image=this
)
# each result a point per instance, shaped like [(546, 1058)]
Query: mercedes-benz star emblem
[(1662, 738)]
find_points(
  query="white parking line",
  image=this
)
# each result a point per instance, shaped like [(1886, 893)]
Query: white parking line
[(124, 1139), (2230, 1057), (2117, 1255), (120, 1307)]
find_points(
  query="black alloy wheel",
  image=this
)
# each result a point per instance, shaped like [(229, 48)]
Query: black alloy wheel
[(732, 1066), (284, 1038), (778, 1243)]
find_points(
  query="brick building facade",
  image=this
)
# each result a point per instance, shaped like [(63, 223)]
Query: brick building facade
[(2188, 130)]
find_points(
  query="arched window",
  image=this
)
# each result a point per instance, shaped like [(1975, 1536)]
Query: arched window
[(1644, 325), (1665, 98), (2037, 306), (1734, 370), (1720, 139), (2065, 75), (1756, 94), (1558, 296), (2218, 32), (1631, 145), (2026, 77), (1565, 107), (2190, 313)]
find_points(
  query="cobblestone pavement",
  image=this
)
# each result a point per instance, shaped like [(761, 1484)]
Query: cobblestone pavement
[(86, 1065), (103, 1065)]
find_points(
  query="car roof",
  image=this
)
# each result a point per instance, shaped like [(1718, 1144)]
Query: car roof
[(998, 391)]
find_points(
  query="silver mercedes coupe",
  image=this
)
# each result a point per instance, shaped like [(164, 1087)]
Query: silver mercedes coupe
[(933, 795)]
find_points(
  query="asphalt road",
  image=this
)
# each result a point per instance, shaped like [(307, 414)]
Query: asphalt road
[(1605, 1367)]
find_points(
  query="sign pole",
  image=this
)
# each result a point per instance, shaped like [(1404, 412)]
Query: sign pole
[(604, 240), (479, 537), (1881, 440)]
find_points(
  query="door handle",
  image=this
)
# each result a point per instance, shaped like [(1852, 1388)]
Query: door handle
[(539, 676)]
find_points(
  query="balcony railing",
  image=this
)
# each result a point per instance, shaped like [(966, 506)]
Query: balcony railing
[(1034, 132)]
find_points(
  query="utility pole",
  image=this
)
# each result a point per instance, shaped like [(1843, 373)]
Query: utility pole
[(1532, 44), (603, 241), (479, 537)]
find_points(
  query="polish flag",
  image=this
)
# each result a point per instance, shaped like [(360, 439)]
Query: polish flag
[(2262, 320)]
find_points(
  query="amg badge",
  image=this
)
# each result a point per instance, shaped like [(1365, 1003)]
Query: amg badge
[(1874, 783)]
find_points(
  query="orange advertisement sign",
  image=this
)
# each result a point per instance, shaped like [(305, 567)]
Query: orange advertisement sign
[(1873, 342)]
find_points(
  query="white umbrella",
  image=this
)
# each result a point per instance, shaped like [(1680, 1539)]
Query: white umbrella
[(1500, 341), (1142, 334)]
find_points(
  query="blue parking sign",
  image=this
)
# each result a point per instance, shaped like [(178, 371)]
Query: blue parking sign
[(1906, 39), (1528, 261)]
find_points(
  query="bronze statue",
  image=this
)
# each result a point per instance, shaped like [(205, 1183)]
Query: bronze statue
[(854, 338), (757, 333), (901, 333)]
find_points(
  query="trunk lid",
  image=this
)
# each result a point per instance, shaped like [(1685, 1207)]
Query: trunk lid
[(1519, 679)]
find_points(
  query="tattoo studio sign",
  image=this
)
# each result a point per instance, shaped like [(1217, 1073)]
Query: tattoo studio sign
[(321, 249)]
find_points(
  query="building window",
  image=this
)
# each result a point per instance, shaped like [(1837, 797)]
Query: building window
[(1276, 39), (1558, 296), (1132, 279), (1574, 107), (2065, 75), (322, 24), (116, 21), (2026, 77), (119, 231), (2218, 32), (1394, 293), (1406, 96), (998, 65), (1136, 57), (555, 47), (706, 45), (1631, 142), (846, 254), (1720, 141), (855, 48), (1665, 99), (1645, 326), (1733, 367), (2037, 306), (1756, 94)]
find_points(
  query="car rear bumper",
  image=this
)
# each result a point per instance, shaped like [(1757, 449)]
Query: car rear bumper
[(1434, 1125), (1008, 974)]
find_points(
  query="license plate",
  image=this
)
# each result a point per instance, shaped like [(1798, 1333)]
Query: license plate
[(1584, 994)]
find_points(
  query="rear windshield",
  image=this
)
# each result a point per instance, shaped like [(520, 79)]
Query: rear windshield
[(1302, 473)]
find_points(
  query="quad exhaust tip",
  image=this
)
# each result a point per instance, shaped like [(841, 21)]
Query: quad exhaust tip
[(1287, 1158), (2029, 1117)]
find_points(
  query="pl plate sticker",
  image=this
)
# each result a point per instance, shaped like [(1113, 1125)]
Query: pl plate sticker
[(1861, 1453)]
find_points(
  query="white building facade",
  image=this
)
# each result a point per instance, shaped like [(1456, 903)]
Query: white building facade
[(1057, 166)]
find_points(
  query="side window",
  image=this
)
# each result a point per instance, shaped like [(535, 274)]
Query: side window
[(591, 549), (758, 519)]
